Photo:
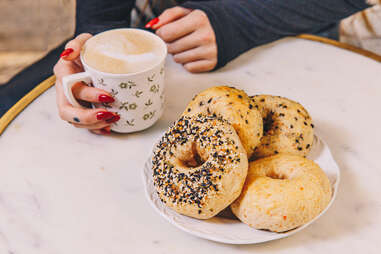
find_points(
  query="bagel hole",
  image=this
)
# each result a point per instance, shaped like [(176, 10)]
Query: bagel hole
[(194, 159), (274, 175), (227, 214), (268, 122)]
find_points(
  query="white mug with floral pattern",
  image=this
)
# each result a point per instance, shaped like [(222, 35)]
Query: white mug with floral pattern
[(139, 96)]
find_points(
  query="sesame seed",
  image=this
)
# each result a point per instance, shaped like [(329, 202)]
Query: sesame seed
[(192, 187)]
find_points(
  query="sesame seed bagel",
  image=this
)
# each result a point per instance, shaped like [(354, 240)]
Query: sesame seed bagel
[(287, 127), (233, 105), (199, 166), (282, 192)]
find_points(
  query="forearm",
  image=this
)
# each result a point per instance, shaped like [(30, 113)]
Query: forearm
[(94, 16), (241, 25)]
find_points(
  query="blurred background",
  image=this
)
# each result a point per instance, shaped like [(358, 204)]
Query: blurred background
[(30, 28)]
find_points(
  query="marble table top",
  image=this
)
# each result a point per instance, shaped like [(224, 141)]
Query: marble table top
[(65, 190)]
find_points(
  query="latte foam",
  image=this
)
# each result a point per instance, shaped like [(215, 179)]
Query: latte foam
[(122, 51)]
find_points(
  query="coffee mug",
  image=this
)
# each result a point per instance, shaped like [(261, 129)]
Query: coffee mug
[(139, 96)]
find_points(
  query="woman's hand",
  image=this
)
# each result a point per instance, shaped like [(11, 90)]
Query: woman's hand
[(96, 120), (190, 38)]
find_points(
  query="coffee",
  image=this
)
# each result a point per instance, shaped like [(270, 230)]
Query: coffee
[(129, 64), (122, 51)]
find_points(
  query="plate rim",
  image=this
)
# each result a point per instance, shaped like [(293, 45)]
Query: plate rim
[(334, 186)]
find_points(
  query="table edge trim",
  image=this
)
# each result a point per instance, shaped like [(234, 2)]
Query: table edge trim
[(342, 45), (16, 109)]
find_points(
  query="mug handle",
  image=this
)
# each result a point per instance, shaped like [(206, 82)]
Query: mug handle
[(69, 81)]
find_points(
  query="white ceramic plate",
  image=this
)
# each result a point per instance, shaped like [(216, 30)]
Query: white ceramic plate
[(225, 230)]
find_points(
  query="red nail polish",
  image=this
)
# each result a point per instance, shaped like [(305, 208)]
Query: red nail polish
[(66, 52), (114, 119), (105, 131), (104, 115), (152, 22), (105, 98)]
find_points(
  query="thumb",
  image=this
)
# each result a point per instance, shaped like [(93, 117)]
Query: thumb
[(91, 94)]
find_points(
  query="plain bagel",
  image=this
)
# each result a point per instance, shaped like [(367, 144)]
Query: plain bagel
[(282, 192), (199, 166), (235, 106)]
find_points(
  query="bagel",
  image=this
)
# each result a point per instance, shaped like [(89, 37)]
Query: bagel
[(199, 166), (287, 127), (233, 105), (282, 192)]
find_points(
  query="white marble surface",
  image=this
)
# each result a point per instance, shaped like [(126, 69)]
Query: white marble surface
[(64, 190)]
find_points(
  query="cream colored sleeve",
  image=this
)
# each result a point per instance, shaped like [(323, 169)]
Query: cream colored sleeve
[(363, 29), (373, 2)]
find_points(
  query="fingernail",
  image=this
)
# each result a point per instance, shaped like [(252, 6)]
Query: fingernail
[(113, 119), (104, 115), (152, 22), (105, 98), (105, 131), (66, 52)]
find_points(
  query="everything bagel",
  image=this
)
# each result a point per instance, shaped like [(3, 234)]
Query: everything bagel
[(199, 166), (287, 127), (233, 105)]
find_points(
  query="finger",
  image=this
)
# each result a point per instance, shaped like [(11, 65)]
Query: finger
[(61, 100), (96, 126), (78, 62), (185, 43), (170, 15), (76, 44), (86, 116), (60, 97), (193, 55), (63, 68), (82, 116), (103, 131), (200, 66), (84, 92), (97, 132), (106, 130), (179, 28)]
